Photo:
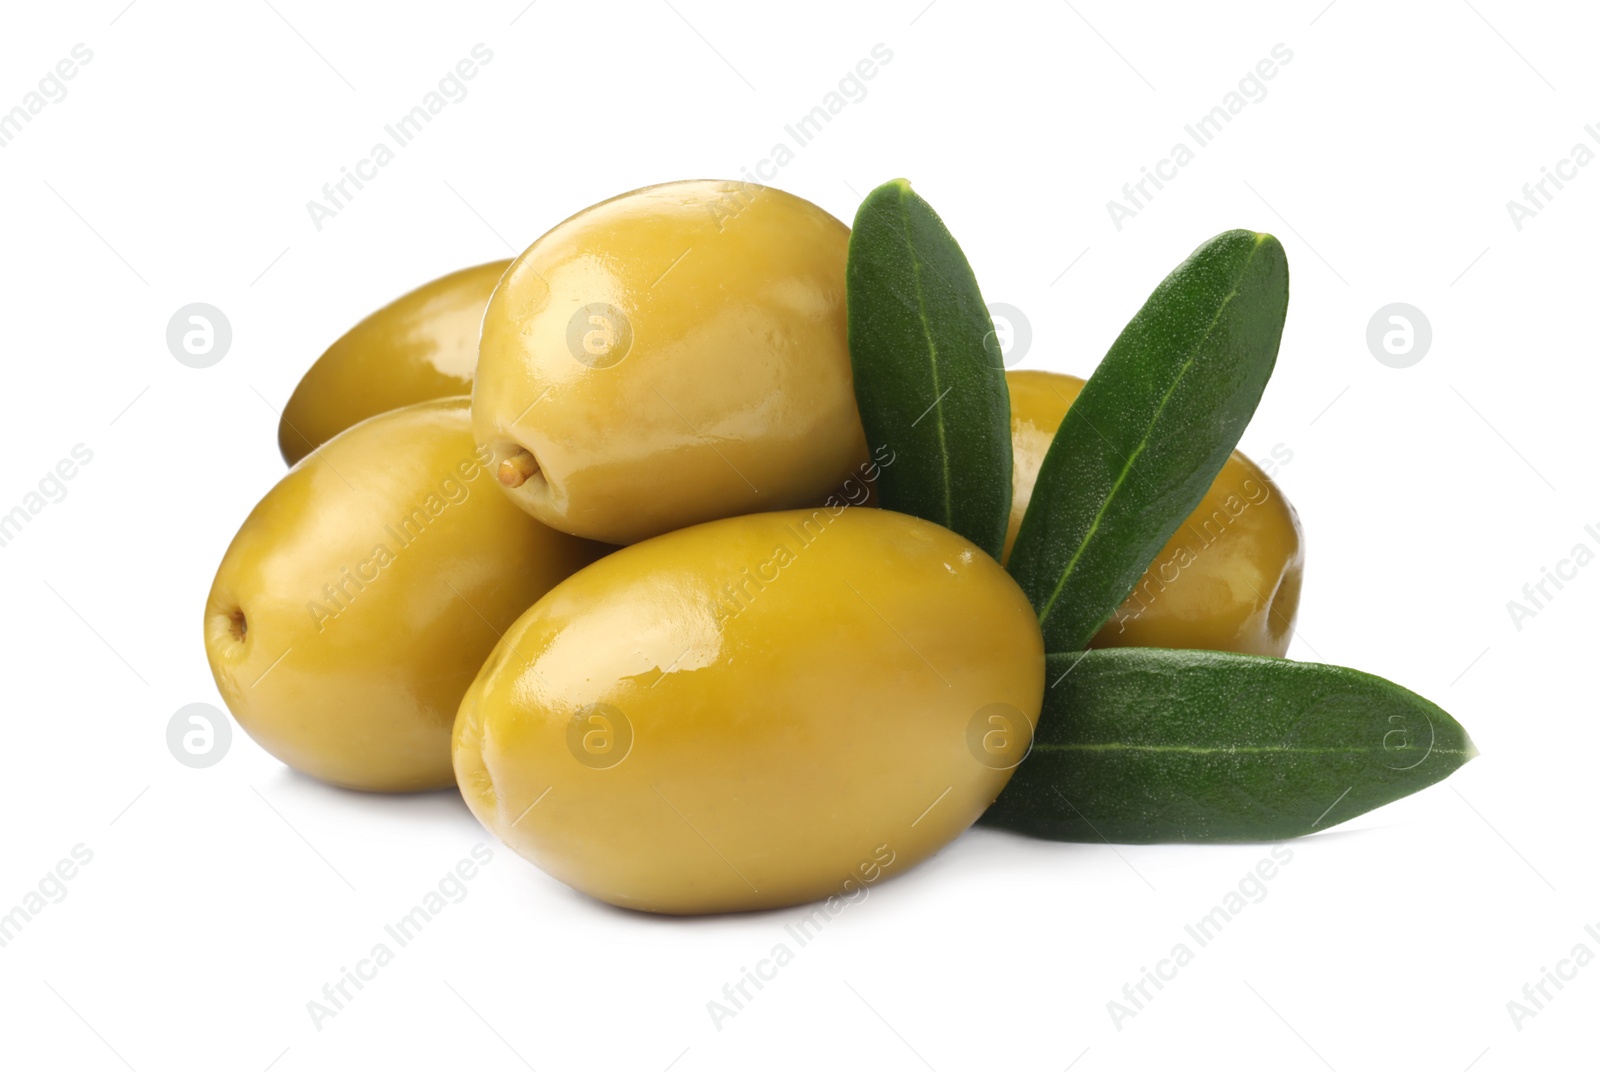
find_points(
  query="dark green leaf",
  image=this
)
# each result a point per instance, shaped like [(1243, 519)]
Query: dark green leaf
[(929, 378), (1146, 744), (1149, 433)]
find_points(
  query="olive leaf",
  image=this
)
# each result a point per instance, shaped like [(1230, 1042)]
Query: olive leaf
[(929, 380), (1146, 744), (1149, 432)]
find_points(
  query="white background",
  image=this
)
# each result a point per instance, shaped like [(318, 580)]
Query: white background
[(219, 901)]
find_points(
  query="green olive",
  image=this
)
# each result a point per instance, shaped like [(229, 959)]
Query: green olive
[(670, 356), (1227, 580), (361, 595), (421, 346), (754, 712)]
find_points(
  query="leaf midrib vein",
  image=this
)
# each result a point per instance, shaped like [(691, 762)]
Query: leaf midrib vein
[(1185, 749), (1144, 440), (933, 359)]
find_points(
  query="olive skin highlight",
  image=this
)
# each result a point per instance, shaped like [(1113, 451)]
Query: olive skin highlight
[(360, 596), (670, 356), (744, 714), (1229, 578), (421, 346)]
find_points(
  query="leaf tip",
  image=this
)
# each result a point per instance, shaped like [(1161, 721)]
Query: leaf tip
[(891, 192), (1263, 238)]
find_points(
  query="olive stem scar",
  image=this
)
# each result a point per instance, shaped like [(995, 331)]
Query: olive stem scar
[(1330, 807), (515, 470), (302, 837), (1287, 1024), (530, 807), (702, 837), (897, 633), (930, 807), (1102, 837)]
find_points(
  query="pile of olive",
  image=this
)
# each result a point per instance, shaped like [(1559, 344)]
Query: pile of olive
[(633, 597)]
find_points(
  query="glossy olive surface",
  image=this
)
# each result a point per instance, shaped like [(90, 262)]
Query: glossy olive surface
[(360, 596), (1228, 579), (670, 356), (754, 712), (421, 346)]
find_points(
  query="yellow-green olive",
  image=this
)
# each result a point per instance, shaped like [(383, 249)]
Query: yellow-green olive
[(754, 712), (360, 596), (1227, 580), (670, 356), (421, 346)]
